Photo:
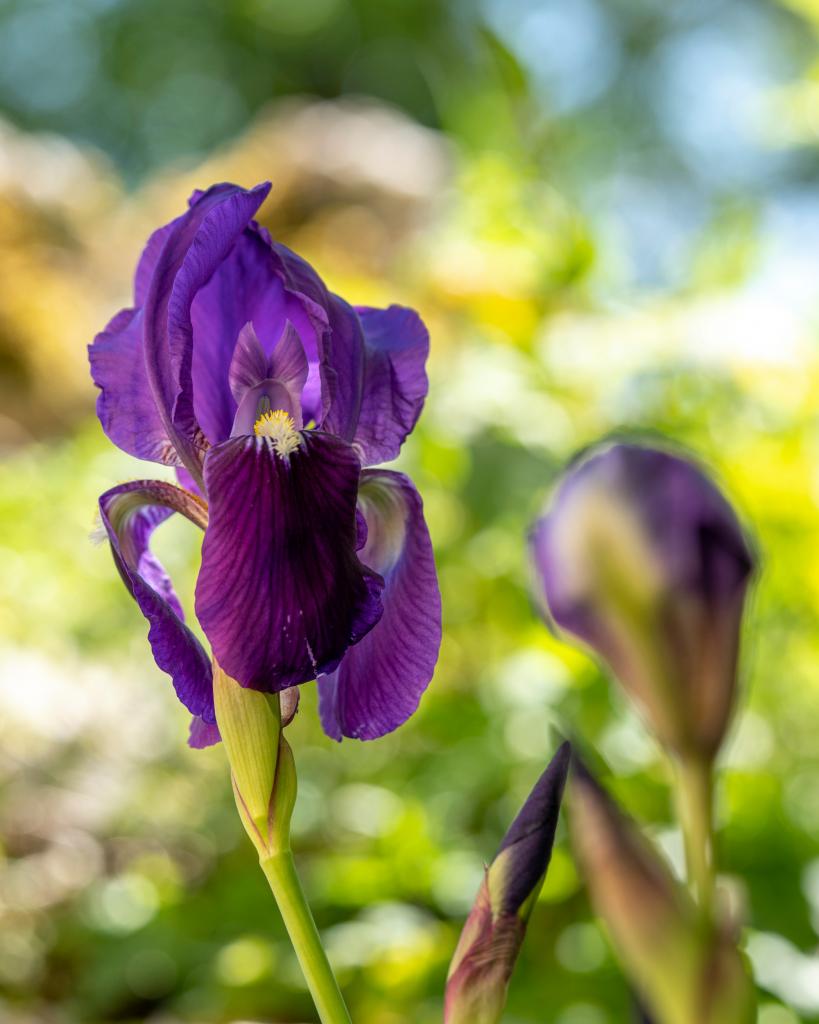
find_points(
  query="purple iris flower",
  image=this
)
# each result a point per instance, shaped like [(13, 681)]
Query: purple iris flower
[(272, 398)]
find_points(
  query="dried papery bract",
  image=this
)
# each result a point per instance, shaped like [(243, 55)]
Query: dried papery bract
[(491, 938), (685, 969)]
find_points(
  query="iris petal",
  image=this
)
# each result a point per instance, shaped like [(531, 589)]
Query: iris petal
[(263, 283), (148, 260), (395, 382), (195, 247), (342, 369), (380, 681), (130, 513), (126, 406), (281, 593), (247, 286), (333, 391)]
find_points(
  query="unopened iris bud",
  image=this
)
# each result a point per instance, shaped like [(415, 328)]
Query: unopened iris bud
[(491, 939), (642, 558), (685, 970), (262, 768)]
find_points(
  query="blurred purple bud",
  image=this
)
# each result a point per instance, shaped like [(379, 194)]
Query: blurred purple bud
[(492, 936), (684, 969), (642, 558)]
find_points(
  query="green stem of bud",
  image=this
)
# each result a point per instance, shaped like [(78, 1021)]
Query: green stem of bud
[(695, 799), (280, 872)]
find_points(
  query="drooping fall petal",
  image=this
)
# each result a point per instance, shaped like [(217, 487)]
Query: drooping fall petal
[(281, 593), (381, 679)]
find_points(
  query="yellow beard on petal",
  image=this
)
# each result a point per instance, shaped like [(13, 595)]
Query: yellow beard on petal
[(281, 429)]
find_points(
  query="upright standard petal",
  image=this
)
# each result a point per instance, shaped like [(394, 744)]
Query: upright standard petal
[(299, 295), (335, 349), (126, 406), (130, 513), (249, 286), (396, 346), (281, 593), (380, 681), (195, 247)]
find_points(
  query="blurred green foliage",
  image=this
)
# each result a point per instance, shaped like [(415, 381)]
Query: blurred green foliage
[(611, 250)]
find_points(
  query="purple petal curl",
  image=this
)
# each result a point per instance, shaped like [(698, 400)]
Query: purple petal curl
[(342, 369), (379, 683), (130, 513), (148, 261)]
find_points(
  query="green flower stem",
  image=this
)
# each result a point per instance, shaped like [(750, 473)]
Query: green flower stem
[(280, 872), (695, 796)]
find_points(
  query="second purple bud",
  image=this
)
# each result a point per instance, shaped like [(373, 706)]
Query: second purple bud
[(642, 558)]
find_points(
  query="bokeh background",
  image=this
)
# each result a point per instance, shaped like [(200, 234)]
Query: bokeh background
[(606, 211)]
